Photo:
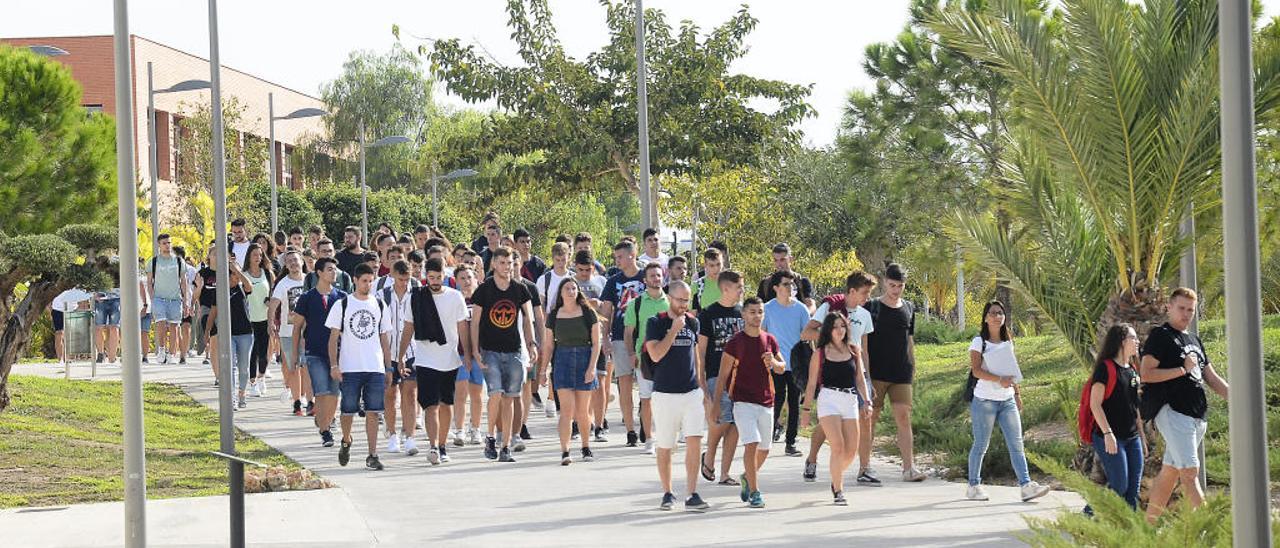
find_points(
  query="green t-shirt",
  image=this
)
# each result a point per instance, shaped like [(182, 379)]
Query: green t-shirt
[(708, 292), (649, 307), (167, 277), (571, 332), (258, 298)]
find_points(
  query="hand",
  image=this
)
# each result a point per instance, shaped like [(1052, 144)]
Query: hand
[(715, 413), (677, 323), (533, 352), (1191, 361), (335, 374), (482, 364), (1006, 382), (804, 418), (1109, 440), (403, 372), (591, 375), (1018, 400)]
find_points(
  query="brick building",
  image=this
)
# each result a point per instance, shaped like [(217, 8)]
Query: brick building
[(92, 64)]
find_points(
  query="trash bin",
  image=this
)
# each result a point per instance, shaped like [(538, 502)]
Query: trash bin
[(77, 329)]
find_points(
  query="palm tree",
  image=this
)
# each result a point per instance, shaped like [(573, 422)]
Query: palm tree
[(1115, 133)]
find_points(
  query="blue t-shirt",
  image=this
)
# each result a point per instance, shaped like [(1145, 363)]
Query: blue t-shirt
[(314, 307), (619, 290), (677, 373), (785, 324)]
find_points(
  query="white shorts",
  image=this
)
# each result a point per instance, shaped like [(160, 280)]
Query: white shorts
[(834, 402), (755, 424), (645, 385), (676, 413)]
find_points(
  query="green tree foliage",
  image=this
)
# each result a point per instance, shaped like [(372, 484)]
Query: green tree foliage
[(246, 160), (339, 207), (1119, 135), (253, 204), (57, 161), (582, 113)]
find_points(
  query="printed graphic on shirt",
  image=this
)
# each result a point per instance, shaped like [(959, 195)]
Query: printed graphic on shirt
[(362, 324), (503, 314)]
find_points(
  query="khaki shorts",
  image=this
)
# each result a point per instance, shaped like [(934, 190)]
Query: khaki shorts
[(898, 393)]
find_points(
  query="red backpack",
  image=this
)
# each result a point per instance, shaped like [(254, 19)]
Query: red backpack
[(1085, 421)]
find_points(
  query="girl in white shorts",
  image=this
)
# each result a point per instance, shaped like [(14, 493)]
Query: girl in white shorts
[(838, 369)]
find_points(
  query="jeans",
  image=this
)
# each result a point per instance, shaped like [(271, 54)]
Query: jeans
[(241, 349), (985, 414), (788, 393), (1124, 469), (504, 372), (261, 342), (363, 387)]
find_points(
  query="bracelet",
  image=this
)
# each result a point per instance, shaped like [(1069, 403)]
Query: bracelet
[(1107, 433)]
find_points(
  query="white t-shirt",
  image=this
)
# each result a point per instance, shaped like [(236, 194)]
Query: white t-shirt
[(190, 272), (549, 287), (287, 292), (452, 308), (989, 390), (643, 259), (859, 322), (360, 348), (70, 298), (398, 309)]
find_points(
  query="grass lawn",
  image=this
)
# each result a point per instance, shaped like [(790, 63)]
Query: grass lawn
[(1051, 394), (61, 443)]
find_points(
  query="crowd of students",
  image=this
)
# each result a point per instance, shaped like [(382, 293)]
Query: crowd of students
[(461, 339)]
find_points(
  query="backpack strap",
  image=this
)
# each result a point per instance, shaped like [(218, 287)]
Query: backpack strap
[(546, 286), (342, 322), (1111, 379)]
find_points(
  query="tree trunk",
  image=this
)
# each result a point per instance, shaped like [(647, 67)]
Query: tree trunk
[(15, 328)]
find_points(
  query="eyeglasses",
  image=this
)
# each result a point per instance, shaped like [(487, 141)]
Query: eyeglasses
[(786, 284)]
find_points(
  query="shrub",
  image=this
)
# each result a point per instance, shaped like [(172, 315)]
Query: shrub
[(935, 331)]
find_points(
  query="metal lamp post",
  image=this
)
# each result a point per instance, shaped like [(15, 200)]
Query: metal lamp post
[(364, 187), (642, 109), (153, 157), (271, 145), (435, 194)]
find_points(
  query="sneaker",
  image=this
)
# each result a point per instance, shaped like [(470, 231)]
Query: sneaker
[(793, 452), (573, 431), (976, 492), (745, 492), (215, 382), (161, 356), (393, 443), (205, 361), (182, 360), (524, 432), (372, 463), (242, 404), (433, 456), (645, 436), (668, 500), (311, 409), (444, 455), (631, 438), (326, 438), (517, 444), (344, 453), (605, 425), (1032, 490), (537, 400), (262, 388), (490, 448), (457, 438), (912, 475), (599, 436), (865, 478), (810, 471), (473, 437), (297, 408), (587, 455), (695, 503), (505, 455), (648, 447), (269, 374), (837, 497), (410, 446), (756, 501), (103, 357), (777, 433), (144, 360), (565, 460), (551, 411)]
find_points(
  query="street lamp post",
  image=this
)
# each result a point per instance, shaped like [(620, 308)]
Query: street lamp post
[(364, 186), (435, 195), (271, 145), (642, 109), (153, 157)]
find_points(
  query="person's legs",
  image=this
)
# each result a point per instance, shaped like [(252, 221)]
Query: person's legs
[(461, 391), (900, 395), (581, 410), (982, 414), (1161, 489), (1182, 435), (793, 408), (212, 343), (390, 398), (409, 408), (664, 469), (568, 412), (144, 334), (850, 432), (113, 342), (476, 394), (831, 423), (261, 343), (1116, 466), (374, 386), (1011, 426), (626, 392), (692, 450), (444, 382), (1134, 456)]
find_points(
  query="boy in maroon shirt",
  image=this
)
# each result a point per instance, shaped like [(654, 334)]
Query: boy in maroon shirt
[(748, 364)]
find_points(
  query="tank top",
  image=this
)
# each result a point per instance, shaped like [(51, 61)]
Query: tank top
[(837, 374)]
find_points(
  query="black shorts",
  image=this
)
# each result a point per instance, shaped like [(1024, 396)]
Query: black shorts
[(435, 387), (396, 379), (57, 320), (186, 319)]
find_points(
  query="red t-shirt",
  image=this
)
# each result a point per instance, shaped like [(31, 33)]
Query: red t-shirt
[(752, 380)]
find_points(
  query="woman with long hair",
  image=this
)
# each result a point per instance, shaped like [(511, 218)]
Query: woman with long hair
[(241, 328), (571, 344), (257, 268), (837, 367), (269, 249), (1117, 436), (996, 400), (469, 387)]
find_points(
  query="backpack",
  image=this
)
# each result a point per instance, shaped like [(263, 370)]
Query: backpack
[(385, 292), (342, 326), (181, 263), (1084, 417), (733, 378), (972, 381)]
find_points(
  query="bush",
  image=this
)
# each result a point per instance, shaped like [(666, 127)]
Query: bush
[(292, 207), (935, 331), (339, 207)]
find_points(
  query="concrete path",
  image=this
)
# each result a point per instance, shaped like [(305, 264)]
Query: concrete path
[(536, 502)]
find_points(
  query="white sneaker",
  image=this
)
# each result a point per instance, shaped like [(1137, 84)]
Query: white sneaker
[(551, 410), (264, 390), (648, 447), (433, 456), (410, 446), (269, 375), (393, 443), (1033, 490), (457, 438), (256, 389), (517, 444), (473, 437), (161, 357), (913, 475), (976, 492)]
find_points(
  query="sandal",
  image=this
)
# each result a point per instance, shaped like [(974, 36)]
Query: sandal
[(708, 473), (729, 482)]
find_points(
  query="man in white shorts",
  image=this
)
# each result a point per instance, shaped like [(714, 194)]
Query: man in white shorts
[(747, 366)]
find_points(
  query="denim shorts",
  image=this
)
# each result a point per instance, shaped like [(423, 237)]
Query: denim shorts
[(363, 386), (726, 404), (144, 322), (504, 372), (322, 384), (106, 312), (1182, 437), (569, 369), (471, 373), (286, 350), (166, 310), (623, 366)]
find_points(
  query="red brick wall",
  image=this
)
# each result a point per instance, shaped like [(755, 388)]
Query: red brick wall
[(91, 63)]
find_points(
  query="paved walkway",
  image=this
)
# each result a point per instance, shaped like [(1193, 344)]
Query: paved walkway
[(535, 502)]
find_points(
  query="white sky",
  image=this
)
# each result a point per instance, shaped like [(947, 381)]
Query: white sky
[(301, 44)]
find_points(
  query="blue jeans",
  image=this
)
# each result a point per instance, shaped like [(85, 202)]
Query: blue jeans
[(107, 312), (241, 350), (322, 384), (366, 387), (504, 372), (985, 414), (1124, 469)]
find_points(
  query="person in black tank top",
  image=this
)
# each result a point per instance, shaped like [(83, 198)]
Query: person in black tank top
[(835, 377)]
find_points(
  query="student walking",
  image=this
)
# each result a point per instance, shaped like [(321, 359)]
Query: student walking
[(283, 298), (358, 327), (571, 346), (718, 322), (837, 378), (892, 348), (309, 317), (747, 369), (785, 319), (1113, 425), (679, 393), (241, 330), (468, 389), (258, 271), (497, 306)]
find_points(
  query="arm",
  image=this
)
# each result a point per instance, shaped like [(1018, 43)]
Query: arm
[(658, 349), (1097, 392), (811, 388), (606, 322), (464, 338), (727, 363), (273, 316), (299, 323), (386, 351), (476, 311), (810, 332), (1151, 372), (860, 377), (213, 318), (1215, 382), (334, 371), (406, 338), (629, 336), (596, 337), (531, 335), (548, 349), (701, 350)]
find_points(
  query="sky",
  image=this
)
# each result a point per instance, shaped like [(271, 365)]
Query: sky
[(301, 44)]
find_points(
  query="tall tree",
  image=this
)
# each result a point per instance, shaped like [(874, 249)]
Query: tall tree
[(1119, 133), (582, 113), (246, 155)]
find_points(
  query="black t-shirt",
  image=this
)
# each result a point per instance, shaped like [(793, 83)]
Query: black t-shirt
[(1184, 394), (500, 315), (239, 314), (1121, 408), (533, 268), (718, 323), (801, 290), (677, 372), (208, 295), (887, 345), (480, 244), (347, 260)]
